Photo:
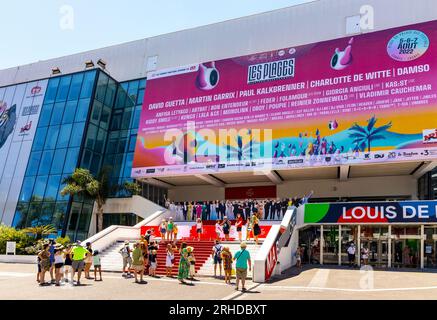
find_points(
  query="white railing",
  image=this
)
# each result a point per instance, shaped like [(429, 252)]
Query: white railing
[(274, 254), (110, 235)]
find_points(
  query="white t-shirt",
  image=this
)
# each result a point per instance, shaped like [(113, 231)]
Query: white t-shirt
[(351, 250)]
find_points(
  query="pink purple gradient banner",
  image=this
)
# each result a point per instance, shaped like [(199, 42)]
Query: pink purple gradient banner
[(367, 98)]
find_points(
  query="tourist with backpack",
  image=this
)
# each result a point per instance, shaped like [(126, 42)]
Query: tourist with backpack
[(216, 252), (127, 260), (242, 258)]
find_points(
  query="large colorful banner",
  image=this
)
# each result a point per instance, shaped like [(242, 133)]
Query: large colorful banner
[(362, 99), (371, 212)]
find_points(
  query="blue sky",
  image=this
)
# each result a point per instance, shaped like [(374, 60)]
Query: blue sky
[(31, 30)]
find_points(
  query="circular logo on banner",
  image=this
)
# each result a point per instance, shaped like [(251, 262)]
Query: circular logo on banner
[(408, 45)]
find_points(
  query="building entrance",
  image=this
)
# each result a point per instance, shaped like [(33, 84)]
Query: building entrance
[(375, 240)]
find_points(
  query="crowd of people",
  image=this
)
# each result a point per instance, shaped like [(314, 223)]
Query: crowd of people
[(63, 263), (266, 209)]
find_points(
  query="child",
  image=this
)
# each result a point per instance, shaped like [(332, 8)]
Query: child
[(97, 265), (192, 262), (199, 227), (153, 263)]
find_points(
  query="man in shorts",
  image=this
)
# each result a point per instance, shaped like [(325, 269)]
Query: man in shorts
[(78, 260), (242, 258), (127, 259), (217, 252)]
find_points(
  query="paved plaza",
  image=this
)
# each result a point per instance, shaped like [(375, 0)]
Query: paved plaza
[(17, 281)]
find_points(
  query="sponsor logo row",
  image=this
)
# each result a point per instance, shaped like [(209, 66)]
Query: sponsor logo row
[(271, 164)]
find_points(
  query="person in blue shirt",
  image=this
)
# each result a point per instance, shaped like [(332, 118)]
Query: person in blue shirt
[(52, 259), (242, 258)]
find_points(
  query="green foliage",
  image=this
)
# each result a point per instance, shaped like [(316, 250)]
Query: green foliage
[(40, 231), (11, 234), (133, 187), (63, 240)]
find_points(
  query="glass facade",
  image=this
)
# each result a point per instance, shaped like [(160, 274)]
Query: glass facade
[(87, 120), (427, 186), (55, 151)]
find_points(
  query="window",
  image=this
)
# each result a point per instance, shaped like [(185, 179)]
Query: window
[(136, 117), (76, 84), (40, 187), (46, 162), (27, 188), (64, 86), (52, 188), (100, 141), (82, 110), (46, 113), (40, 138), (52, 89), (59, 215), (88, 84), (52, 137), (64, 135), (101, 86), (95, 115), (132, 143), (58, 111), (125, 123), (58, 161), (95, 163), (86, 159), (70, 111), (140, 97), (91, 136), (104, 120), (77, 133), (33, 165), (110, 92), (71, 160)]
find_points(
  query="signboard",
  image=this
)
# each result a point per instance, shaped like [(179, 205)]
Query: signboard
[(372, 212), (271, 260), (256, 192), (11, 247), (370, 98), (20, 108)]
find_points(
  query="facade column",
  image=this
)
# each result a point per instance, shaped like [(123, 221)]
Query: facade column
[(359, 245), (389, 246), (322, 243), (339, 244), (422, 246)]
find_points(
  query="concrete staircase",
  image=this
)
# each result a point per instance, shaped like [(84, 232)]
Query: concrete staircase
[(112, 260), (208, 267)]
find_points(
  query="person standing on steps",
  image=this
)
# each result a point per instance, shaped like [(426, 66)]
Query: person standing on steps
[(239, 226), (242, 258), (226, 224)]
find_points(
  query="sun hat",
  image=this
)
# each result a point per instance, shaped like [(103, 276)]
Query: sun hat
[(243, 245), (190, 249)]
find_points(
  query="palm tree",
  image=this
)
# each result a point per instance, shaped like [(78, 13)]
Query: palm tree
[(367, 134), (133, 187), (40, 231), (82, 182)]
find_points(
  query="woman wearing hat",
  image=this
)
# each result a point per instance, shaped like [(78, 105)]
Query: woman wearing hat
[(184, 265), (227, 264)]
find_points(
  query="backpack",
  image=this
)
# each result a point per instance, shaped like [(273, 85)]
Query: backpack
[(124, 252), (218, 250)]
